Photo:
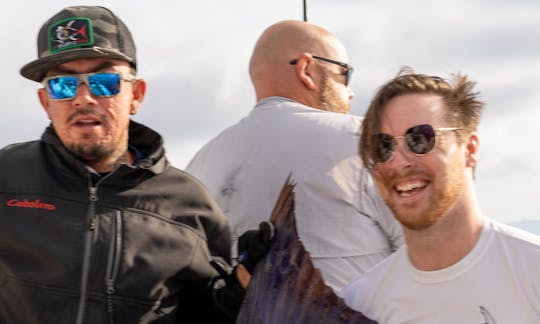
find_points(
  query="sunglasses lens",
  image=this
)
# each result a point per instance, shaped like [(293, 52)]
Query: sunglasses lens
[(104, 84), (349, 75), (64, 87), (420, 139), (100, 84), (383, 145)]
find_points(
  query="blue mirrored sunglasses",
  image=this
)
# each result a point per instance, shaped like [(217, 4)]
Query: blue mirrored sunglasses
[(101, 84)]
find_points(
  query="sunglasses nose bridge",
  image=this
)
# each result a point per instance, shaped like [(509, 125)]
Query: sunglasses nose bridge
[(401, 154), (83, 91), (82, 81)]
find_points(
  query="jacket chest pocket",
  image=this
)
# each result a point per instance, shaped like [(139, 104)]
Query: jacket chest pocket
[(138, 254)]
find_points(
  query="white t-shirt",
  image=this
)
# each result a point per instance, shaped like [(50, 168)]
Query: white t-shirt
[(341, 220), (497, 282)]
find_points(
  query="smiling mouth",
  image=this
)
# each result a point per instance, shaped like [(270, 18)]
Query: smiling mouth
[(86, 123), (410, 188)]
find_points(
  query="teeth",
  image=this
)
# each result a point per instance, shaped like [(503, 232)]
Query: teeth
[(405, 194), (93, 122), (410, 186)]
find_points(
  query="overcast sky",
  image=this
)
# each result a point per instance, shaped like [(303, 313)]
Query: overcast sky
[(194, 55)]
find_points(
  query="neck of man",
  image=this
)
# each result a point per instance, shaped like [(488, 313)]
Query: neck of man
[(448, 240), (108, 164)]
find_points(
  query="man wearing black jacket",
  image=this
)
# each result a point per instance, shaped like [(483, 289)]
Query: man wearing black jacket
[(96, 226)]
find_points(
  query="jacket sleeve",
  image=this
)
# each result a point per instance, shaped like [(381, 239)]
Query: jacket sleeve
[(227, 293), (217, 299), (219, 302), (210, 218)]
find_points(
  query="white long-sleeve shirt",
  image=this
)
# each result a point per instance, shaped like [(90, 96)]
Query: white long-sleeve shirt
[(341, 220)]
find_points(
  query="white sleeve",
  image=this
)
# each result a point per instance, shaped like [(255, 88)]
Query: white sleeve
[(375, 208)]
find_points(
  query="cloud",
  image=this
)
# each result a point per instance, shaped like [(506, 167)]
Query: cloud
[(194, 55)]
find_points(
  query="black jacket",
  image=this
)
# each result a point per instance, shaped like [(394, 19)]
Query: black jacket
[(131, 246)]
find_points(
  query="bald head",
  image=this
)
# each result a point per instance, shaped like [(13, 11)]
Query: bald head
[(270, 71)]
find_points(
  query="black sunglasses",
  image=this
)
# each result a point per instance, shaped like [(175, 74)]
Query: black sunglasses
[(348, 68), (420, 140)]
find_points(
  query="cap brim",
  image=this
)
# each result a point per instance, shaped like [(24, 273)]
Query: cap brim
[(37, 69)]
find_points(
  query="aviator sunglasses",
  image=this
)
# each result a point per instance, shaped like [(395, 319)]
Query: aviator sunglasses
[(420, 139), (101, 84), (348, 68)]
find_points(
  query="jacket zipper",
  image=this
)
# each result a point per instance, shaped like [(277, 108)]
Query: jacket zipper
[(113, 261), (91, 217)]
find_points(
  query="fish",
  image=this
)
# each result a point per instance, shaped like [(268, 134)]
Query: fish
[(285, 287)]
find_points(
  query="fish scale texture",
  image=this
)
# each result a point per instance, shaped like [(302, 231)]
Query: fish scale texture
[(286, 287)]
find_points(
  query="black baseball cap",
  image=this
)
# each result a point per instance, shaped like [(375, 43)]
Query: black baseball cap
[(80, 32)]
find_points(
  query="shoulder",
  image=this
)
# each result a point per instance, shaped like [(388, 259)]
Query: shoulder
[(364, 288), (188, 196), (516, 248), (514, 235), (290, 113), (327, 119), (18, 147), (185, 184), (19, 152)]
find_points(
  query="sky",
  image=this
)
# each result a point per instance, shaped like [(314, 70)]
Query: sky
[(194, 56)]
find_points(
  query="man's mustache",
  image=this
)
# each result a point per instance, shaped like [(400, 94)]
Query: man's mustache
[(87, 112)]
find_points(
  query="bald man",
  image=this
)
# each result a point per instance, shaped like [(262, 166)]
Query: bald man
[(300, 126)]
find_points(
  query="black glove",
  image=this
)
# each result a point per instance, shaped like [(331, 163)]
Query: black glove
[(254, 244), (227, 292)]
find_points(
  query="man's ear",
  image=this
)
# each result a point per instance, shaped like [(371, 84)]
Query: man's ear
[(139, 91), (305, 71), (44, 100), (472, 147)]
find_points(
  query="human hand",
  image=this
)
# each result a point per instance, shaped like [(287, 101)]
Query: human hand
[(254, 244)]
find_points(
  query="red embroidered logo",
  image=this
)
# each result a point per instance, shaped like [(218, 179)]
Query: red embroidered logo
[(30, 204)]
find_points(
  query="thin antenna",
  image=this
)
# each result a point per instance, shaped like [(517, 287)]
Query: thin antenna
[(305, 10)]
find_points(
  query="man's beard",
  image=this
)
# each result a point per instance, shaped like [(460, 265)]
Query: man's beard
[(446, 191), (91, 153), (91, 150), (329, 98)]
